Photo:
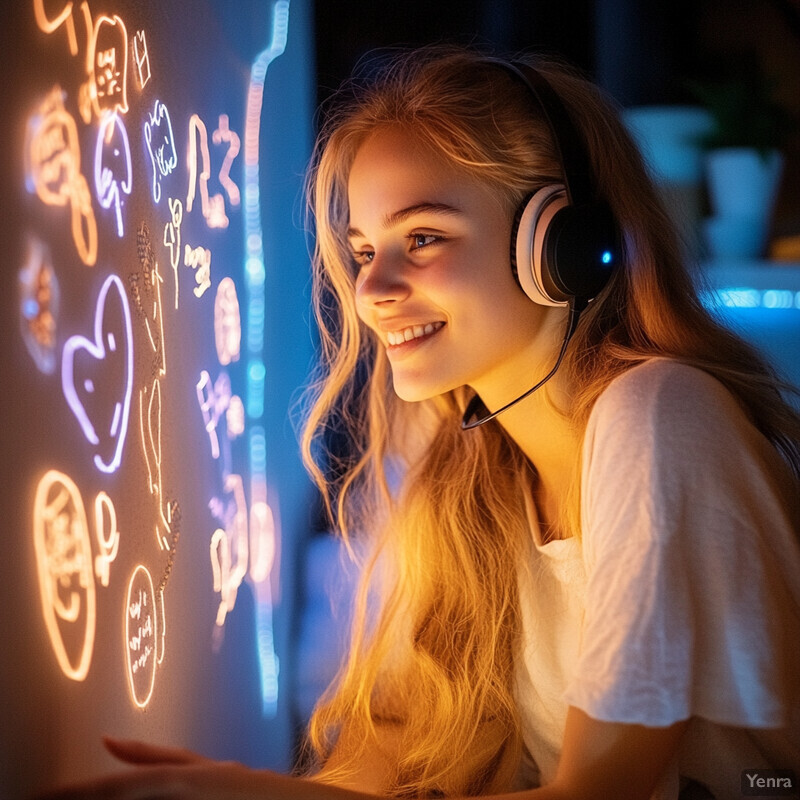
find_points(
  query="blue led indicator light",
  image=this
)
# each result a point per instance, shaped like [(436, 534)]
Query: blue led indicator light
[(607, 258)]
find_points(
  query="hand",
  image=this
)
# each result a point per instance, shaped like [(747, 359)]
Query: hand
[(172, 772)]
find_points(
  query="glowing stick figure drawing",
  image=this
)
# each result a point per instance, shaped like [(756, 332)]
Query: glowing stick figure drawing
[(104, 363)]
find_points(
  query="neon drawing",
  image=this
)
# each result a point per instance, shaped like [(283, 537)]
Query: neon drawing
[(53, 170), (50, 25), (160, 145), (106, 66), (199, 259), (145, 288), (213, 207), (107, 534), (150, 429), (262, 541), (161, 640), (39, 305), (64, 563), (255, 274), (106, 358), (172, 238), (112, 165), (214, 400), (227, 322), (141, 636), (141, 59), (229, 548), (234, 417), (224, 134)]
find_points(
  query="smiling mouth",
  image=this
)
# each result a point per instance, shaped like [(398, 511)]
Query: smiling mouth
[(395, 338)]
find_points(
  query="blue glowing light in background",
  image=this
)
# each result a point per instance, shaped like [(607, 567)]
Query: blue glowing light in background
[(255, 278)]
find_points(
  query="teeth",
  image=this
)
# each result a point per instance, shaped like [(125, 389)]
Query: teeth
[(412, 332)]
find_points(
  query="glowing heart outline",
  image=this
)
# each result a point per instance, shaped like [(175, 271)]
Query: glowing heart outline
[(97, 349)]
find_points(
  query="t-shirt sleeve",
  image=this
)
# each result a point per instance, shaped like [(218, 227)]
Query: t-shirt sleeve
[(693, 565)]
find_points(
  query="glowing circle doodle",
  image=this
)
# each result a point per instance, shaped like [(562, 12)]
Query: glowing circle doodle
[(141, 636), (66, 580)]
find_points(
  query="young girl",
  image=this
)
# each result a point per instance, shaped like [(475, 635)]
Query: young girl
[(594, 593)]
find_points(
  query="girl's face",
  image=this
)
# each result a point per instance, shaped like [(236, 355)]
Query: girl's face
[(435, 281)]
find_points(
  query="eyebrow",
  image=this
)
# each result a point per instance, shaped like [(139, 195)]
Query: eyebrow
[(403, 214)]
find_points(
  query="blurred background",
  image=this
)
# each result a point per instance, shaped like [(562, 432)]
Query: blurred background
[(167, 572)]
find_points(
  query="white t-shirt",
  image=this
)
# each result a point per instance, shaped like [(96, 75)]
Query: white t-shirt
[(682, 599)]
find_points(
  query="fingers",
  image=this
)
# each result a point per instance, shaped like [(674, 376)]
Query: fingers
[(134, 752)]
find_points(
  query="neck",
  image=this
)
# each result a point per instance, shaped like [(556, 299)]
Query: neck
[(548, 438)]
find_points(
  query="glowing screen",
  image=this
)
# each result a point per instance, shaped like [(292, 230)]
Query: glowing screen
[(142, 473)]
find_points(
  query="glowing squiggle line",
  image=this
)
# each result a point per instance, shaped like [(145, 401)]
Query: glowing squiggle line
[(107, 544), (255, 273), (150, 430), (199, 259), (109, 190), (64, 554), (48, 25), (224, 134), (99, 349), (213, 207), (229, 550)]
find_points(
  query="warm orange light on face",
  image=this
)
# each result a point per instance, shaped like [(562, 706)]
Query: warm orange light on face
[(66, 582), (141, 636)]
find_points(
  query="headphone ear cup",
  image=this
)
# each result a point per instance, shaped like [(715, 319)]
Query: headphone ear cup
[(529, 260), (580, 250)]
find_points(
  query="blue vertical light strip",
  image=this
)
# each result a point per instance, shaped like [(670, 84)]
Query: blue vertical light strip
[(255, 279)]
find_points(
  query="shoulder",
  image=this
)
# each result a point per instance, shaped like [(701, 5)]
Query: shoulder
[(665, 389), (670, 408), (665, 436)]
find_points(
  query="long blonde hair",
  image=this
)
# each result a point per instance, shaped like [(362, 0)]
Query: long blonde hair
[(437, 623)]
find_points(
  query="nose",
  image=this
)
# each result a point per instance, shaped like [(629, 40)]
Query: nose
[(382, 281)]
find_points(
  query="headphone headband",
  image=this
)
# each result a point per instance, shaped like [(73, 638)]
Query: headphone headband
[(570, 148)]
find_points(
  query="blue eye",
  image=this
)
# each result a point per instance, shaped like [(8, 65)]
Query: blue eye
[(420, 240)]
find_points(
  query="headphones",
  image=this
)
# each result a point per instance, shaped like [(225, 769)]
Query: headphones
[(565, 242)]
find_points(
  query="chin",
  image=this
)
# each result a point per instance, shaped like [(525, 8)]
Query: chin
[(416, 394)]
